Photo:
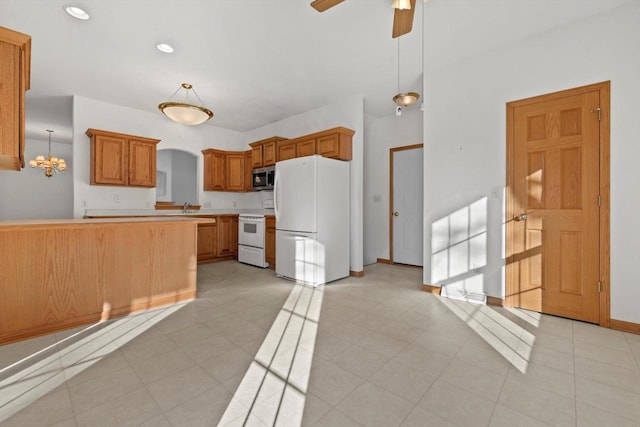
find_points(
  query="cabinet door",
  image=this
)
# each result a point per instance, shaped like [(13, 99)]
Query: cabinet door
[(270, 242), (227, 235), (328, 146), (247, 170), (217, 171), (235, 172), (15, 60), (207, 173), (306, 148), (207, 239), (256, 156), (286, 151), (109, 160), (269, 154), (142, 163)]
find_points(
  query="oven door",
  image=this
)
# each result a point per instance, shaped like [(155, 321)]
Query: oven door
[(251, 231)]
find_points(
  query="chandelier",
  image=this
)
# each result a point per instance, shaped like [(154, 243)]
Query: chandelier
[(50, 164), (184, 112)]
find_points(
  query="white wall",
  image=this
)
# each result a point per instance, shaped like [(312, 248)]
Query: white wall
[(29, 194), (164, 160), (348, 113), (89, 113), (381, 135), (465, 128)]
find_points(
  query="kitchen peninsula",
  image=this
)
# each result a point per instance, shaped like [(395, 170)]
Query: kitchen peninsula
[(57, 274)]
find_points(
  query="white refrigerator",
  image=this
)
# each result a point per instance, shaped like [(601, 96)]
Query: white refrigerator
[(311, 201)]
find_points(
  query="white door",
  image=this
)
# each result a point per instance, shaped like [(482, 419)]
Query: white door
[(295, 195), (407, 208)]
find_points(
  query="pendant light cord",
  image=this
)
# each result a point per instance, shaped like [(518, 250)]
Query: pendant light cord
[(398, 64)]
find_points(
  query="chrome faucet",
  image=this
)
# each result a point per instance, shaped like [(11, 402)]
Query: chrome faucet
[(185, 208)]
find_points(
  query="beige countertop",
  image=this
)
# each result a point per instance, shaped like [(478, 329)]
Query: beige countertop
[(170, 212), (87, 221)]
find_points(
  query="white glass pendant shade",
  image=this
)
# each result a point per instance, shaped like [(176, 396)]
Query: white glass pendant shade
[(184, 112), (405, 99)]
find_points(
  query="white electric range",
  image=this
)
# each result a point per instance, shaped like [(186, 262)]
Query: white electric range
[(251, 239)]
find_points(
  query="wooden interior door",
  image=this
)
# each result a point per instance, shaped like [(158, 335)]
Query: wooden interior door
[(553, 227)]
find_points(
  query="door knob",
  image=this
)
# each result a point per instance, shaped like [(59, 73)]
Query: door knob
[(521, 217), (396, 213)]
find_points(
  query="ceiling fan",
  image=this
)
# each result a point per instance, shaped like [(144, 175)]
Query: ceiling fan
[(402, 18)]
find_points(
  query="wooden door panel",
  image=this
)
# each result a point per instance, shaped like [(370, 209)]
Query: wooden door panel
[(142, 164), (556, 185), (111, 161)]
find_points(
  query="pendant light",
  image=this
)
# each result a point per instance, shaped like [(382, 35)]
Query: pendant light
[(184, 112), (50, 164), (403, 99)]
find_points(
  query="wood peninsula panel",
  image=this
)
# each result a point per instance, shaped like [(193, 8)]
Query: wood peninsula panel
[(58, 275), (15, 72)]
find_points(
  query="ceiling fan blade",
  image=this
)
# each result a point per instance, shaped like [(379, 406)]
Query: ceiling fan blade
[(322, 5), (403, 20)]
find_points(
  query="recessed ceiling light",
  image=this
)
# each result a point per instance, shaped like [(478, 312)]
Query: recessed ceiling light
[(77, 12), (164, 47)]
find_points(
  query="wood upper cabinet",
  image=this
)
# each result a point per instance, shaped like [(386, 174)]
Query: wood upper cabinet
[(270, 241), (120, 159), (263, 152), (235, 172), (306, 147), (214, 170), (142, 163), (227, 235), (227, 170), (15, 72), (334, 143), (248, 155), (287, 151)]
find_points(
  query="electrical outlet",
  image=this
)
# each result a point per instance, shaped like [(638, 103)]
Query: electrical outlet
[(207, 205), (234, 203), (116, 198), (83, 203)]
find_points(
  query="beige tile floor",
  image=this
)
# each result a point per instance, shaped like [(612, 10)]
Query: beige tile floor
[(383, 354)]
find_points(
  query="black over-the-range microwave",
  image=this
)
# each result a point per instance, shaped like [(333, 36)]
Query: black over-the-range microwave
[(263, 178)]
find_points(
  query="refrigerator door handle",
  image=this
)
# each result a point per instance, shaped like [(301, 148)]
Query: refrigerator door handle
[(275, 194)]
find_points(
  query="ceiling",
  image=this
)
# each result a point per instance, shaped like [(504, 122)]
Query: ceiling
[(254, 62)]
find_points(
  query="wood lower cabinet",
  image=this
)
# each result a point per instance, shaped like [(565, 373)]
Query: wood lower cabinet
[(15, 72), (207, 242), (219, 241), (227, 235), (123, 160), (270, 241)]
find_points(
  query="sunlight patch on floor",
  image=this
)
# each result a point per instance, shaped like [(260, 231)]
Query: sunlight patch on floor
[(509, 339), (32, 377), (273, 390)]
